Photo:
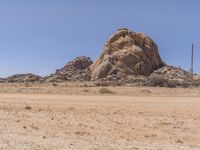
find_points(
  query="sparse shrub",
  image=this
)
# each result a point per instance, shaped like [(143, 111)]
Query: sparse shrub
[(163, 82), (108, 83), (81, 133), (55, 84), (140, 80), (185, 85), (105, 91), (101, 83), (85, 85), (157, 81), (86, 90), (27, 107), (172, 83), (145, 91), (26, 84), (115, 83)]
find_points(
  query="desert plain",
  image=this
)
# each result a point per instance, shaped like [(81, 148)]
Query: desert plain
[(74, 116)]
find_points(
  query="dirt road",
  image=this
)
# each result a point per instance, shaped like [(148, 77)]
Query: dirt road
[(52, 122)]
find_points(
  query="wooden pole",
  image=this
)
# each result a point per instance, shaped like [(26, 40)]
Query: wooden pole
[(192, 59)]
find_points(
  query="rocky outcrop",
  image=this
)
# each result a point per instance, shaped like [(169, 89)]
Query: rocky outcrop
[(20, 78), (75, 70), (127, 53), (170, 76), (2, 80)]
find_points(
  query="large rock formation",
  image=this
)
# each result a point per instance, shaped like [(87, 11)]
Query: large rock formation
[(127, 58), (127, 53), (75, 70)]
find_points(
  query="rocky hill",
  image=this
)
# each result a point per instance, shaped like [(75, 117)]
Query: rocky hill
[(75, 70)]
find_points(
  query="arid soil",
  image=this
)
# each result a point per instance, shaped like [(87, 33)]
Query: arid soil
[(66, 117)]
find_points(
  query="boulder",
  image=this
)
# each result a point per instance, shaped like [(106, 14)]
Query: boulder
[(127, 53)]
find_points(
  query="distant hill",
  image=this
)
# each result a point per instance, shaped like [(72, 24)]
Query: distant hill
[(20, 78)]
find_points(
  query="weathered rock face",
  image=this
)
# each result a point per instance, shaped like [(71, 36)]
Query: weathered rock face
[(127, 53), (75, 70)]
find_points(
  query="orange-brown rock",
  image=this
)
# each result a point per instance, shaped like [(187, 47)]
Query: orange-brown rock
[(127, 53)]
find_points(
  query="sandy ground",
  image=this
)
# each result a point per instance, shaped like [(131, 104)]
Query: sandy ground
[(88, 89), (49, 121)]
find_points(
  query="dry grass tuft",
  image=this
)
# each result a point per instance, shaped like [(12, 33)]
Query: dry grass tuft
[(105, 91), (86, 90)]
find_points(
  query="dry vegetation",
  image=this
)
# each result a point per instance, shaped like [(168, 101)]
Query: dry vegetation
[(105, 91), (89, 88)]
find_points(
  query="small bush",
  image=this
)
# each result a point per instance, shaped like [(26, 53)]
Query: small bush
[(101, 84), (157, 81), (145, 91), (55, 84), (86, 90), (108, 83), (163, 82), (105, 91), (27, 107), (115, 83), (85, 85)]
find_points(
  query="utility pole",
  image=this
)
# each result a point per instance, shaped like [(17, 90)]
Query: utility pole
[(192, 59)]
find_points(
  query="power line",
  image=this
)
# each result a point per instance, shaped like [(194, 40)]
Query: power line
[(178, 48), (173, 49)]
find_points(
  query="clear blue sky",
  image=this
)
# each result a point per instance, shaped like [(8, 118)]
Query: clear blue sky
[(40, 36)]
